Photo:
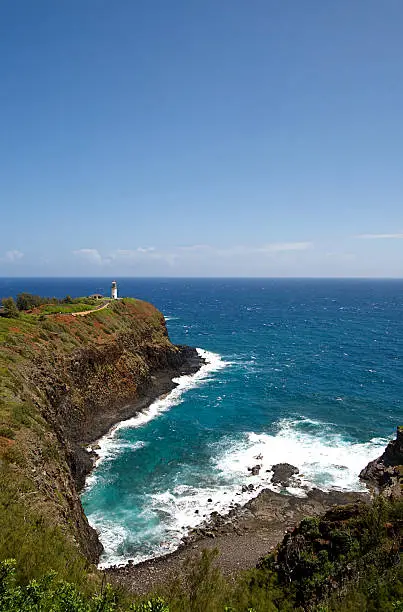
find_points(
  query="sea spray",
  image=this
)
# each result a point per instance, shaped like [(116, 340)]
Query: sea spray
[(328, 350), (111, 445), (325, 460)]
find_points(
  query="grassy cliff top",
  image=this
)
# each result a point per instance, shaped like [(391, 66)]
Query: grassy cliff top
[(46, 339), (55, 369), (107, 316)]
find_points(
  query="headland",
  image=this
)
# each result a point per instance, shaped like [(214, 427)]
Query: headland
[(65, 381)]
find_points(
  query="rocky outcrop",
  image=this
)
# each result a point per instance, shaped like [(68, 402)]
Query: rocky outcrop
[(385, 474), (283, 473), (100, 386), (328, 555), (254, 471), (71, 379), (270, 511)]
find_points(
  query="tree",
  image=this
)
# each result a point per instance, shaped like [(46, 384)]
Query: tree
[(26, 301), (10, 308)]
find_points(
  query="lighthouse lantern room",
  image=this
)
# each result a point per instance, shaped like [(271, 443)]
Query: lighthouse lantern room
[(114, 290)]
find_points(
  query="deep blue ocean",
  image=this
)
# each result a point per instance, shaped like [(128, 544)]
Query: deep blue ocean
[(304, 371)]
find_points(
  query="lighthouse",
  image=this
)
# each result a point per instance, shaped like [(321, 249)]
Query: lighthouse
[(114, 290)]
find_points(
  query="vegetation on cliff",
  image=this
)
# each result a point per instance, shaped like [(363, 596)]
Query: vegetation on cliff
[(347, 560), (36, 304), (63, 381)]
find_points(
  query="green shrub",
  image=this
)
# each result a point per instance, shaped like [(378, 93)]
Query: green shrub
[(48, 594), (156, 604), (310, 527), (7, 432), (10, 308), (29, 537)]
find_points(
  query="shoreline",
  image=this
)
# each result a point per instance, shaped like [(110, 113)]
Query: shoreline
[(161, 385), (242, 536)]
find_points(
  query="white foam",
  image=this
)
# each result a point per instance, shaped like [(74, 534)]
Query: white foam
[(107, 449), (324, 459), (110, 445), (179, 509), (113, 535)]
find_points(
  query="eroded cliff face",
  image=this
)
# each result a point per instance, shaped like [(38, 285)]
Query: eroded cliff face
[(68, 380), (385, 474)]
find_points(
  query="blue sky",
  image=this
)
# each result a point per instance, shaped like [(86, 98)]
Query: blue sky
[(201, 138)]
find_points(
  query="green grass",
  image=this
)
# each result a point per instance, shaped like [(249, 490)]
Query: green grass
[(67, 308), (199, 586), (35, 528), (36, 349)]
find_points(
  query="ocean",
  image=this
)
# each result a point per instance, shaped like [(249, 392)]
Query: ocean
[(303, 371)]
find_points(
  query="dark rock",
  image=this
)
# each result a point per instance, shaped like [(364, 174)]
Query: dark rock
[(282, 474), (254, 471), (385, 474)]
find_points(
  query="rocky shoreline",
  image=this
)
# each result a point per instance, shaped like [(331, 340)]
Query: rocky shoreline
[(385, 474), (242, 536), (161, 383), (247, 533)]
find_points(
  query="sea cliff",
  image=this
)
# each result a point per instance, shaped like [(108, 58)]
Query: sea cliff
[(65, 381), (385, 474)]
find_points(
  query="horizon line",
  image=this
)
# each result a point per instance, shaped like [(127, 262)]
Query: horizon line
[(211, 277)]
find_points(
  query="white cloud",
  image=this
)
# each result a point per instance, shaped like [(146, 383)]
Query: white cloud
[(277, 247), (195, 247), (134, 253), (142, 254), (379, 236), (195, 253), (273, 247), (146, 249), (90, 255), (12, 256)]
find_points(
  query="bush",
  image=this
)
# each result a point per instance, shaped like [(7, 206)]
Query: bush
[(27, 536), (10, 308), (48, 594), (156, 604), (310, 527)]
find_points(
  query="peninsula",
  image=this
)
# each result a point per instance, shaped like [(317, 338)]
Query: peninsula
[(65, 380)]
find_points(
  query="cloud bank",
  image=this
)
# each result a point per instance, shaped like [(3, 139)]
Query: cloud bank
[(380, 236), (12, 256), (175, 255)]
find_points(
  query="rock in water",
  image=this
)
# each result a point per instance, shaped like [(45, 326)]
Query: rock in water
[(254, 471), (385, 474), (282, 474)]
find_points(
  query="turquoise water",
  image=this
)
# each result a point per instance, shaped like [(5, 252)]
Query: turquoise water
[(304, 371)]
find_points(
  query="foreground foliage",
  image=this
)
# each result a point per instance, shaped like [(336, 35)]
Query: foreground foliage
[(361, 570), (347, 560), (51, 368)]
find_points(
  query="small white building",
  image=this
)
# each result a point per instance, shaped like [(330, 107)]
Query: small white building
[(114, 290)]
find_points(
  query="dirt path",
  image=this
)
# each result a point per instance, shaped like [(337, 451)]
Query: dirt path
[(83, 313)]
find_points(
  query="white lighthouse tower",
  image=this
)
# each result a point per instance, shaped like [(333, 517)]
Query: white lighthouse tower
[(114, 290)]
